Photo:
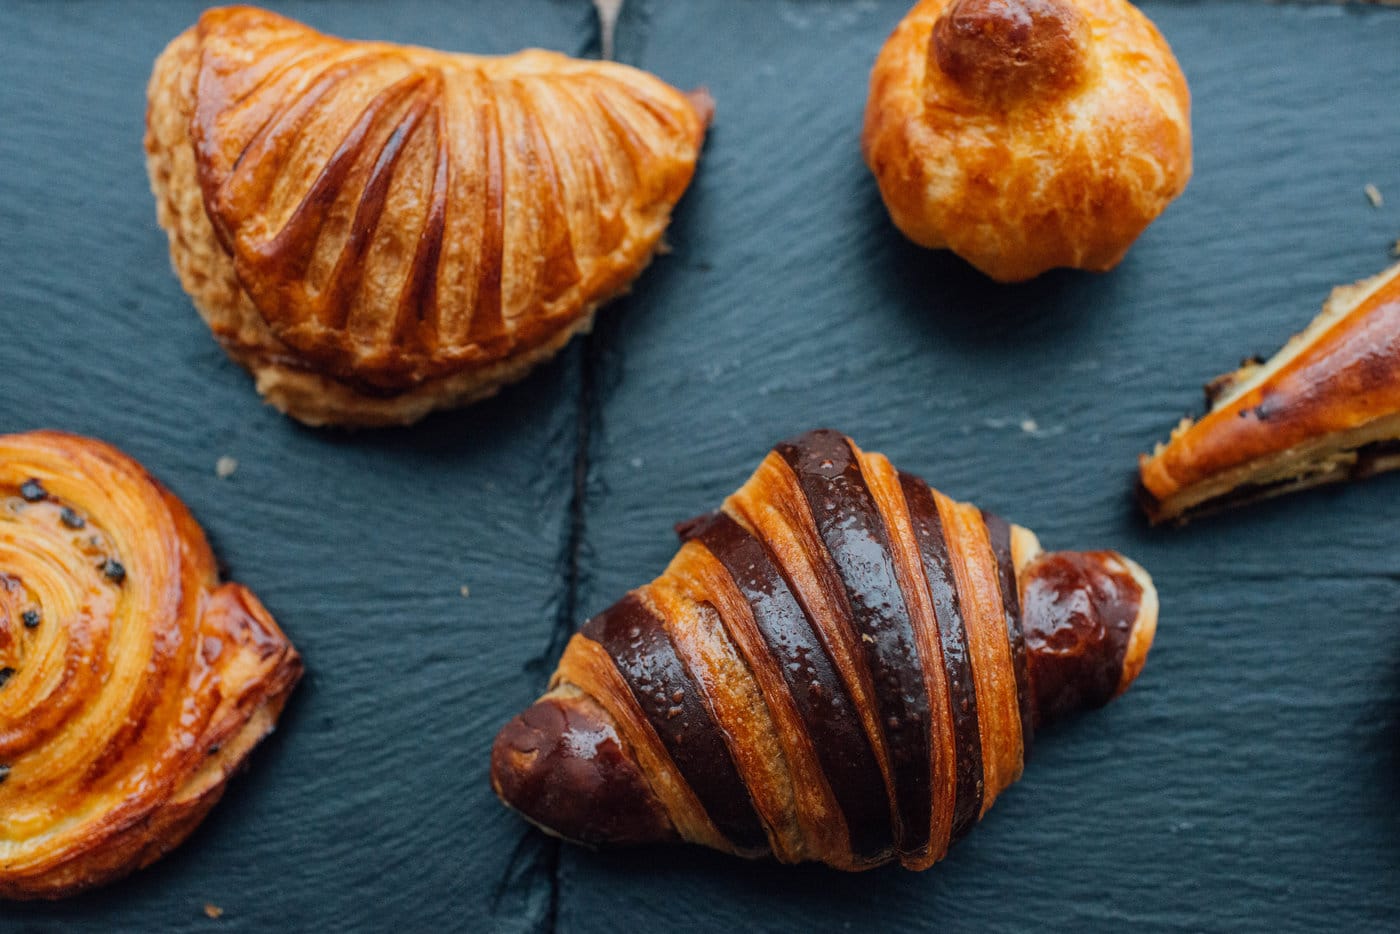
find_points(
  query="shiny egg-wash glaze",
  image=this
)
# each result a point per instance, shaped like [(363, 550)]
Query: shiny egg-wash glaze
[(134, 683), (840, 665)]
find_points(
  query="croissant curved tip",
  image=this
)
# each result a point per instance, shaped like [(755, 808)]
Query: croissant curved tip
[(563, 767), (1088, 618)]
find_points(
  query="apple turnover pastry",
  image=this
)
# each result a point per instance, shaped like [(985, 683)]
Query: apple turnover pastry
[(1027, 134), (841, 664), (376, 231), (1324, 409), (132, 683)]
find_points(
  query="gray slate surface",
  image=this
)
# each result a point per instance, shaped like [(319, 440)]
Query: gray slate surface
[(1248, 781)]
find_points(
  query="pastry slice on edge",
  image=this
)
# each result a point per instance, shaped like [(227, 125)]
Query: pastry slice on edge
[(1325, 408)]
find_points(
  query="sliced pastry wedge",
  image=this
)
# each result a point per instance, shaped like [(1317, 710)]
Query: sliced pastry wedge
[(1325, 408)]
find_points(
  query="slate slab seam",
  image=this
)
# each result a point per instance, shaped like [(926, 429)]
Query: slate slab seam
[(587, 412)]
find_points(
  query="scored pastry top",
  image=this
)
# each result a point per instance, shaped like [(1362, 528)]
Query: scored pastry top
[(399, 214)]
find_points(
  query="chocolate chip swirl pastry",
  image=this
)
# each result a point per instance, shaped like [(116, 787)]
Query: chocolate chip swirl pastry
[(376, 231), (841, 664), (132, 683), (1027, 134)]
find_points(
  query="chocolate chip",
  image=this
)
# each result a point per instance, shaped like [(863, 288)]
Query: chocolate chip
[(114, 570), (31, 619), (5, 675), (33, 491), (72, 519)]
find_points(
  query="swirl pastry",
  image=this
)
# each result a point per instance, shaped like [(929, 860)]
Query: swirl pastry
[(1027, 134), (841, 665), (132, 683), (376, 231), (1324, 409)]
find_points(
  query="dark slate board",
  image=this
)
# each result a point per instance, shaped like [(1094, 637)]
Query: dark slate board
[(1249, 779)]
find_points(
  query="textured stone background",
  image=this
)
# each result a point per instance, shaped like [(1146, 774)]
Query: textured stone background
[(1249, 780)]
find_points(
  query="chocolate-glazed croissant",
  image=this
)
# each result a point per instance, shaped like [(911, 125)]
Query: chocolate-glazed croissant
[(132, 683), (1027, 134), (841, 665), (377, 230)]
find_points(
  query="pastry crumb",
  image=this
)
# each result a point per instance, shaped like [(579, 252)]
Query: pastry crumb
[(1395, 248), (466, 591), (1029, 426), (225, 467), (213, 911), (1373, 195)]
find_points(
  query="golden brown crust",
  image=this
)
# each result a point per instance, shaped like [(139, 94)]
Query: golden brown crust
[(1000, 721), (376, 231), (136, 683), (1027, 134), (1306, 416), (827, 671)]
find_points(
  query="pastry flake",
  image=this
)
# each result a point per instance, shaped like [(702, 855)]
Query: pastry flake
[(376, 231)]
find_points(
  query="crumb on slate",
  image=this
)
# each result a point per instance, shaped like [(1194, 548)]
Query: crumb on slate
[(466, 591), (1373, 195), (225, 467), (213, 911)]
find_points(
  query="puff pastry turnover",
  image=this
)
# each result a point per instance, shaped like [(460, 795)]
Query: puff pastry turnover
[(1325, 408), (132, 683), (376, 231), (1027, 134), (841, 665)]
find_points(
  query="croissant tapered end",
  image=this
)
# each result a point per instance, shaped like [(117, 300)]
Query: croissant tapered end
[(563, 767), (841, 664), (1088, 619), (1324, 409)]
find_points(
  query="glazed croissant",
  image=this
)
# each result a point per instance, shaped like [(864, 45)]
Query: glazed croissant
[(377, 230), (132, 684), (839, 665), (1324, 409), (1027, 134)]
